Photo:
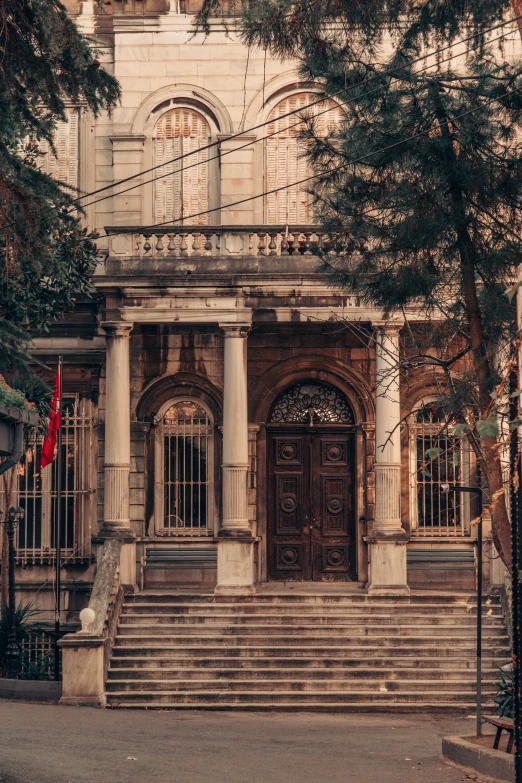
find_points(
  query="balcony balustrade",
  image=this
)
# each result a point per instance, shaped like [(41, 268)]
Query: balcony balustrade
[(190, 241)]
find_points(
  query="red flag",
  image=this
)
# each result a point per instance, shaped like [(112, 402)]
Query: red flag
[(49, 444)]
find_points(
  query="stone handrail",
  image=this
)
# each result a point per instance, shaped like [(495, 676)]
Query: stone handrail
[(86, 654), (186, 241)]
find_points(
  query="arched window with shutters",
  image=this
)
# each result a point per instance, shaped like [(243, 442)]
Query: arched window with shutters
[(285, 160), (64, 165), (183, 189)]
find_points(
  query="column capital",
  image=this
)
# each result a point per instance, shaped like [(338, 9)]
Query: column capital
[(392, 326), (117, 328), (235, 330)]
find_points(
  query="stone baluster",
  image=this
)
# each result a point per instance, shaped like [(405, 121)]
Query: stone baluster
[(159, 244), (272, 246), (208, 242), (183, 248), (147, 247), (196, 244), (171, 247), (261, 247)]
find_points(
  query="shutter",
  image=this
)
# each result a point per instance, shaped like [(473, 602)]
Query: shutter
[(63, 166), (286, 162), (178, 132)]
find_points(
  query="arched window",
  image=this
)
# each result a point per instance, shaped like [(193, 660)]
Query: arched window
[(285, 161), (438, 457), (183, 187), (184, 470)]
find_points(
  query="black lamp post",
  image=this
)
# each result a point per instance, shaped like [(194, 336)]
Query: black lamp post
[(14, 516)]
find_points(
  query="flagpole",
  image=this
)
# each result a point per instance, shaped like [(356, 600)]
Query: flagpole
[(58, 527)]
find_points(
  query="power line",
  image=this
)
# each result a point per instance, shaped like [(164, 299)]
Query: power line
[(268, 136), (145, 229), (268, 122)]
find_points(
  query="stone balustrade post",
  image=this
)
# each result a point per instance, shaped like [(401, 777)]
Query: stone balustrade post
[(387, 541)]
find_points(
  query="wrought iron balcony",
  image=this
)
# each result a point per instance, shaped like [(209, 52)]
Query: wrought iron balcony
[(191, 241)]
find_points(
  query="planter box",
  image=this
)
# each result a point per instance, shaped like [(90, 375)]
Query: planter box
[(31, 690)]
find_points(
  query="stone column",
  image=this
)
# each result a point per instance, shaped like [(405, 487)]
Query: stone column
[(388, 538), (116, 520), (236, 544)]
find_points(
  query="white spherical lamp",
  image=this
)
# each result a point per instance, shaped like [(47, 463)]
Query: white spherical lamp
[(87, 617)]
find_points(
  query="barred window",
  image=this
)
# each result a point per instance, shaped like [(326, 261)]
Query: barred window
[(36, 491), (437, 458), (286, 161), (185, 470)]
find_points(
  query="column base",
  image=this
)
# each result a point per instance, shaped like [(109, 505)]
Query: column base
[(236, 568), (388, 570), (127, 534)]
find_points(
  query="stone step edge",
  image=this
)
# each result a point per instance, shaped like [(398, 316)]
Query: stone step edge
[(357, 707)]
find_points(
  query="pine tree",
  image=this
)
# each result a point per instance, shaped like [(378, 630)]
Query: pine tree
[(46, 258), (430, 216)]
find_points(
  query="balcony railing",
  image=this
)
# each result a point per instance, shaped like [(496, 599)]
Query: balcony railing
[(187, 241)]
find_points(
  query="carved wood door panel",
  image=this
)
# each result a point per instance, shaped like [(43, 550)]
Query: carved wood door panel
[(311, 505)]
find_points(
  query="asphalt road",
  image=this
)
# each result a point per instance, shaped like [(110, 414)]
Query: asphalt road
[(41, 743)]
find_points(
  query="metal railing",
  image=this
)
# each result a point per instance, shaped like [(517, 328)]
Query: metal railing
[(37, 656)]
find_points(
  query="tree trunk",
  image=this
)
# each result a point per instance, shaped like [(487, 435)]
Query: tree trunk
[(491, 462)]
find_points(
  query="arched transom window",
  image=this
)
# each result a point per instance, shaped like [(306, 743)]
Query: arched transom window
[(182, 188), (438, 457), (312, 402), (184, 464), (285, 160)]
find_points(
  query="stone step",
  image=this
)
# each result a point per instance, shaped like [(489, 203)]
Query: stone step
[(314, 607), (264, 651), (309, 667), (274, 698), (156, 638), (313, 596), (142, 618), (303, 631), (310, 686), (353, 707)]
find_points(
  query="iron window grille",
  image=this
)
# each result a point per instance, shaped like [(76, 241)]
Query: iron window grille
[(184, 465), (36, 491), (435, 512)]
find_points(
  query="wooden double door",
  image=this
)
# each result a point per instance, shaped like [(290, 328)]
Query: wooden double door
[(311, 504)]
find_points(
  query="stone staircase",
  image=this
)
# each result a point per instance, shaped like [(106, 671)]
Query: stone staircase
[(303, 652)]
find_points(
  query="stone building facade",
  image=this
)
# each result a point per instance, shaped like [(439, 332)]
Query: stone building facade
[(229, 415)]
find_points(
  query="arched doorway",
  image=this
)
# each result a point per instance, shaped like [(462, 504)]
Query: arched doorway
[(311, 486)]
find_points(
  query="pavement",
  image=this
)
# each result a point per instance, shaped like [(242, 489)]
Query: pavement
[(45, 743)]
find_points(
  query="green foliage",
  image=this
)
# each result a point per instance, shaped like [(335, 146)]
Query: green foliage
[(46, 258), (504, 696), (12, 398), (24, 623)]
